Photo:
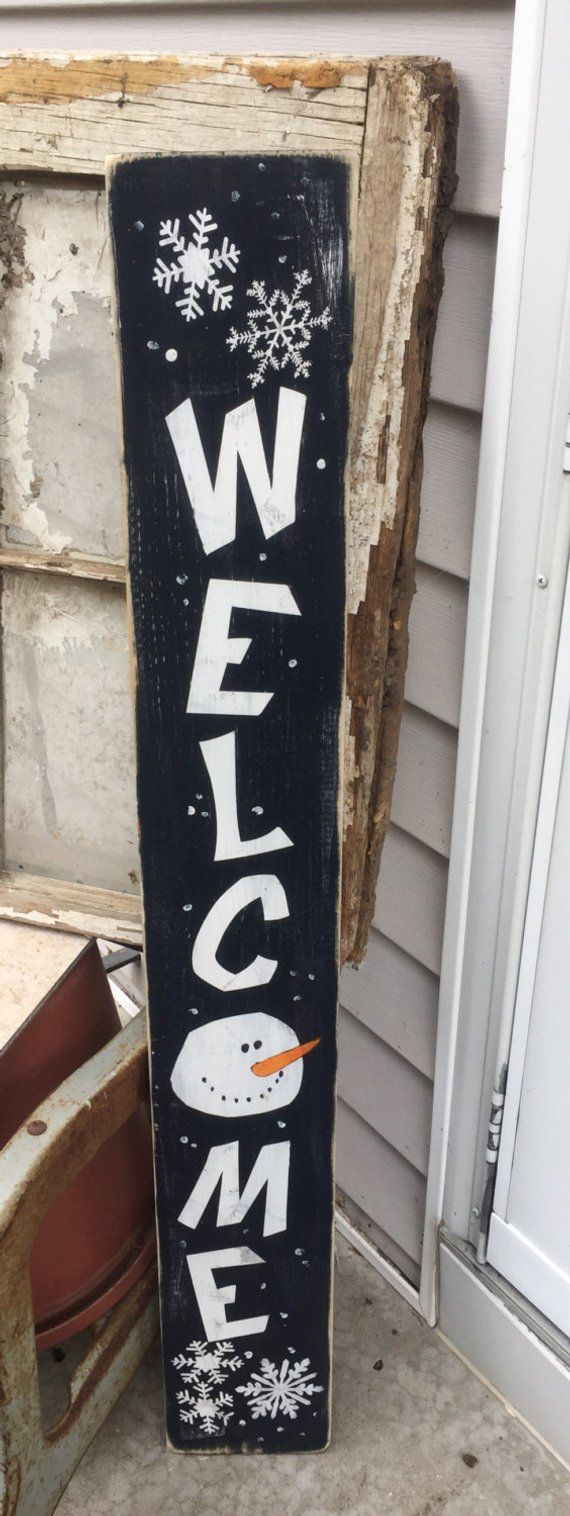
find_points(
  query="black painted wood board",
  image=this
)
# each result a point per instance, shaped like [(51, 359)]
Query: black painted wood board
[(234, 319)]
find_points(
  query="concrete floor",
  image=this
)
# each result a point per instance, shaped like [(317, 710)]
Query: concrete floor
[(414, 1434)]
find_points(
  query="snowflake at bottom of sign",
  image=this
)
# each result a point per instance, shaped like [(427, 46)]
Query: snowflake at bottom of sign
[(273, 1391)]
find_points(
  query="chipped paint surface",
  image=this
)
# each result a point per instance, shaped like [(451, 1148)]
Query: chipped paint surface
[(69, 781), (374, 477), (59, 456)]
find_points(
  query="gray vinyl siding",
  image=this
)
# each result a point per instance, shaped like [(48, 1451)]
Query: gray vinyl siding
[(388, 1023)]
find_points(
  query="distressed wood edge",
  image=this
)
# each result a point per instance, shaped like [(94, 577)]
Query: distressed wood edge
[(74, 566), (362, 863), (69, 907), (41, 76)]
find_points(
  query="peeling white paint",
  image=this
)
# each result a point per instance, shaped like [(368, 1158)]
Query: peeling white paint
[(373, 503)]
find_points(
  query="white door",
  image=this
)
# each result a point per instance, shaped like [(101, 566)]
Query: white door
[(529, 1239)]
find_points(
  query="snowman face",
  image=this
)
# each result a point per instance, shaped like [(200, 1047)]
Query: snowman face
[(240, 1066)]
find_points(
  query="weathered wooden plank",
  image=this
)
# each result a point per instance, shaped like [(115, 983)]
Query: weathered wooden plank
[(396, 997), (72, 113), (381, 1181), (422, 803), (407, 164), (451, 461), (410, 906), (70, 565), (437, 640), (199, 396), (68, 907), (403, 1115)]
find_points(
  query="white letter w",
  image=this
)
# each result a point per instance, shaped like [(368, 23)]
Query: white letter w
[(214, 506)]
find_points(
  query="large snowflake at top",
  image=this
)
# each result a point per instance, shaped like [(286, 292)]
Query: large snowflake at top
[(279, 329), (280, 1391), (195, 265)]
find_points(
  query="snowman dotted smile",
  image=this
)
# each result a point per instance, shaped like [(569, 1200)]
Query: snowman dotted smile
[(229, 1066)]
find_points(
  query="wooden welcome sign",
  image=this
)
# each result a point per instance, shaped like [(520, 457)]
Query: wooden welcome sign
[(235, 324)]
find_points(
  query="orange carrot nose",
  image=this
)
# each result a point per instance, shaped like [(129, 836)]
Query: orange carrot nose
[(280, 1060)]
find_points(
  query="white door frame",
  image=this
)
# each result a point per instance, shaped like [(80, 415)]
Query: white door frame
[(522, 536)]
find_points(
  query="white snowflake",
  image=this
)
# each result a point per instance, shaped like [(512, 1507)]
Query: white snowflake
[(279, 329), (195, 265), (206, 1363), (283, 1390), (212, 1411)]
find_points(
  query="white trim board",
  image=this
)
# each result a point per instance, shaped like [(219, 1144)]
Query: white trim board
[(505, 1353), (530, 20), (517, 586)]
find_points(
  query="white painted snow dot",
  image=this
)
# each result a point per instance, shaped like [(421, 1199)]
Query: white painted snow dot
[(261, 167), (292, 663), (152, 346), (322, 415), (139, 226), (187, 907), (235, 196), (181, 578), (263, 1286), (321, 463), (311, 976), (171, 354), (194, 1010), (193, 1144), (299, 1252), (282, 258), (275, 215), (296, 997), (185, 602), (283, 1315), (282, 1123), (242, 1423), (199, 797), (191, 810), (263, 557), (183, 1139), (257, 810), (203, 813), (248, 1355)]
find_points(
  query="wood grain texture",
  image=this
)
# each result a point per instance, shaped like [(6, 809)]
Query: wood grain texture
[(408, 164), (70, 907)]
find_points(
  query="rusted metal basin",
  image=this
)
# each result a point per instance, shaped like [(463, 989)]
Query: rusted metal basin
[(98, 1237)]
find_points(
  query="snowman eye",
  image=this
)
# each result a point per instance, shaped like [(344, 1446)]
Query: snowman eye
[(245, 1047), (257, 1044)]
